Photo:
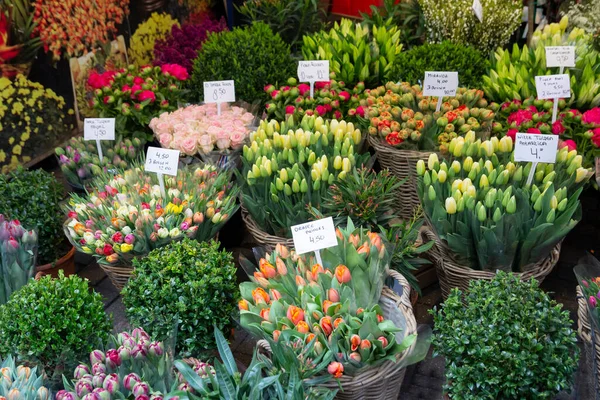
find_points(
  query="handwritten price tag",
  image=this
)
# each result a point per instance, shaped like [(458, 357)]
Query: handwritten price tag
[(162, 161), (553, 86), (219, 92), (313, 71), (478, 10), (440, 84), (314, 235), (560, 56), (99, 129), (536, 148)]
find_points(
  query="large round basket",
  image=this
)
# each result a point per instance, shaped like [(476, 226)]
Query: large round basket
[(261, 237), (453, 275), (401, 163), (585, 330), (118, 275), (383, 381)]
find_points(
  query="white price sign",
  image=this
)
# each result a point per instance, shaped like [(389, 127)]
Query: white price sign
[(440, 84), (219, 91), (560, 56), (99, 129), (314, 235), (162, 161), (478, 9), (553, 86), (313, 71), (536, 148)]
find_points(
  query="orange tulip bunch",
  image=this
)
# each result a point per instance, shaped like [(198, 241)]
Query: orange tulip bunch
[(331, 307), (75, 26)]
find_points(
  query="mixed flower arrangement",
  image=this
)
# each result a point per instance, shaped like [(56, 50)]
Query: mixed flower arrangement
[(134, 96), (18, 252), (141, 46), (125, 215), (18, 43), (199, 129)]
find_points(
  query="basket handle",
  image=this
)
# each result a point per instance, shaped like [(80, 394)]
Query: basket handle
[(398, 277)]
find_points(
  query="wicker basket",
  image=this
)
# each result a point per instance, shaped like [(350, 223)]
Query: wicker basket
[(261, 237), (118, 275), (401, 163), (453, 275), (383, 381), (584, 329)]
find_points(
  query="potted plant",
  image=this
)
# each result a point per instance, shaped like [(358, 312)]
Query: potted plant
[(505, 338), (53, 322), (485, 217), (125, 215), (33, 197), (191, 282)]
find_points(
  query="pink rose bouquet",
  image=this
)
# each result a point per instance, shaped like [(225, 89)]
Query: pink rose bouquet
[(136, 95), (125, 215), (198, 129)]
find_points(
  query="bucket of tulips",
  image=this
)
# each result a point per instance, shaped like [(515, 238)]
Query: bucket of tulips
[(125, 214), (484, 217), (290, 165), (340, 306), (404, 127), (198, 131), (80, 163)]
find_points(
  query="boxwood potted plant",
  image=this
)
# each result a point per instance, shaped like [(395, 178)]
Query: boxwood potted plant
[(33, 197)]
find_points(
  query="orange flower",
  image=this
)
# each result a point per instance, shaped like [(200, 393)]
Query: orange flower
[(309, 338), (338, 321), (313, 274), (243, 305), (281, 268), (267, 269), (276, 334), (356, 357), (79, 228), (380, 318), (342, 273), (264, 313), (159, 212), (365, 344), (375, 240), (282, 250), (295, 314), (338, 233), (302, 327), (354, 342), (275, 294), (364, 249), (260, 279), (333, 295), (359, 310), (326, 325), (336, 369), (326, 305), (260, 296), (354, 239), (300, 281), (383, 341)]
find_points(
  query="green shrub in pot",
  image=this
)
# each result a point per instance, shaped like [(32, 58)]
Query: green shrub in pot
[(33, 197), (193, 281), (508, 340), (53, 323)]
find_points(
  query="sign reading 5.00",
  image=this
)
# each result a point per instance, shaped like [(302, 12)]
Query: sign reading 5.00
[(219, 92)]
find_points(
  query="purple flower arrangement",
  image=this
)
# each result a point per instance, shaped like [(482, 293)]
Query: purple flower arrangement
[(182, 45)]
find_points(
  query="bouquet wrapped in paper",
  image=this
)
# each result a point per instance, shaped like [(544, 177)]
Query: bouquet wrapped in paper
[(18, 252)]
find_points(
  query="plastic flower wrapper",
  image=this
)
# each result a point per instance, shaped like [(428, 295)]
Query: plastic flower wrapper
[(125, 215), (290, 165), (480, 206), (587, 272), (80, 163), (22, 382), (400, 116), (331, 100), (18, 253)]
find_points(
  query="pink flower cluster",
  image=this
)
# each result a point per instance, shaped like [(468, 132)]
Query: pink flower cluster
[(198, 128)]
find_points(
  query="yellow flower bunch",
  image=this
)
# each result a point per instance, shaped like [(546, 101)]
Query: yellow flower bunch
[(141, 48), (29, 110)]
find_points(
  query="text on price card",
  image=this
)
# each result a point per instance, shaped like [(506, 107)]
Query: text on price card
[(553, 86), (99, 129), (219, 92), (440, 83), (536, 148), (314, 235), (313, 71), (162, 161), (560, 56)]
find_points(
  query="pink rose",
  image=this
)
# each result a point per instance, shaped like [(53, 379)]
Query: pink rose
[(188, 146), (163, 127), (206, 143), (223, 144), (237, 139), (165, 140)]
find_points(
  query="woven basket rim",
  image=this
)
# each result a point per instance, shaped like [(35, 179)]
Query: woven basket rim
[(261, 236), (381, 146)]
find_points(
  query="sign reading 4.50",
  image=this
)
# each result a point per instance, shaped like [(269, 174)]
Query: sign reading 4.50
[(219, 92)]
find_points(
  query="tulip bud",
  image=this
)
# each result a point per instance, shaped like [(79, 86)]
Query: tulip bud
[(483, 182), (42, 393), (431, 193), (427, 178), (562, 205), (442, 176), (481, 213), (450, 205), (420, 167), (140, 389), (490, 197), (551, 216), (83, 387), (433, 161), (14, 394), (468, 164), (581, 174), (130, 380), (101, 394)]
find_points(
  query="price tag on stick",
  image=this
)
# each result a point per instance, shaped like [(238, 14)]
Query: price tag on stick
[(535, 148), (162, 161), (560, 56), (99, 129), (314, 236), (313, 71), (477, 8), (219, 92), (440, 84)]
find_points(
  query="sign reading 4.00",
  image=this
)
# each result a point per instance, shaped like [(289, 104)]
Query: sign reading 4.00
[(219, 92)]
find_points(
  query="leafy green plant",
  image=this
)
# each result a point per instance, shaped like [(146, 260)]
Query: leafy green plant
[(284, 375), (188, 282), (33, 197), (51, 323), (446, 56), (508, 340), (406, 14), (21, 382), (292, 19), (252, 56)]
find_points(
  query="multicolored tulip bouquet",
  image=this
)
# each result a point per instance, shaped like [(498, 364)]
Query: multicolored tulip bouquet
[(587, 272), (18, 253), (126, 216), (331, 307), (480, 206), (290, 165), (399, 115)]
